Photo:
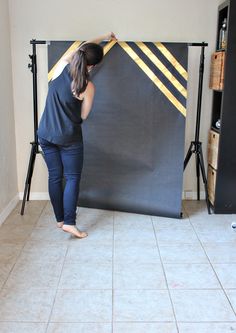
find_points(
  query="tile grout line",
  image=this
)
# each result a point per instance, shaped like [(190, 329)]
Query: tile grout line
[(210, 263), (118, 321), (128, 289), (25, 241), (57, 289), (47, 324), (50, 314), (168, 290), (63, 263)]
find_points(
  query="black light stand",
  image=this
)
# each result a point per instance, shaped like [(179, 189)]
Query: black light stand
[(34, 148), (196, 145)]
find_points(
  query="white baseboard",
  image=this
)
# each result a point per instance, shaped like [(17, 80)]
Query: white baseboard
[(36, 196), (192, 195), (8, 209), (186, 195)]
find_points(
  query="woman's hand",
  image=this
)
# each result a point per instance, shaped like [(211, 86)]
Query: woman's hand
[(111, 36)]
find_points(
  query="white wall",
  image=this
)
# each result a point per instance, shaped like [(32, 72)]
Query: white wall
[(8, 175), (150, 20)]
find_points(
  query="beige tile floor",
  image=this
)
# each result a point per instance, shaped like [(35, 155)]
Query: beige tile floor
[(132, 274)]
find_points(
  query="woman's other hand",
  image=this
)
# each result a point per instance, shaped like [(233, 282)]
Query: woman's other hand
[(111, 36)]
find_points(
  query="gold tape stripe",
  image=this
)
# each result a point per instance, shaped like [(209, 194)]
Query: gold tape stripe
[(153, 77), (72, 48), (108, 46), (162, 68), (172, 59)]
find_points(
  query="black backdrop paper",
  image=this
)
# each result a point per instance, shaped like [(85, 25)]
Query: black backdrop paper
[(134, 135)]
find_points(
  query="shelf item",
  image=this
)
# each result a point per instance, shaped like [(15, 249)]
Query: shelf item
[(211, 183), (213, 146), (223, 25), (216, 109), (223, 35), (217, 71)]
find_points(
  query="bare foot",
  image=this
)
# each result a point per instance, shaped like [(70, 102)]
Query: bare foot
[(59, 224), (74, 231)]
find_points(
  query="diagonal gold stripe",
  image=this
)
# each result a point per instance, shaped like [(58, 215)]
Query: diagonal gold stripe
[(72, 48), (172, 59), (153, 77), (162, 68), (108, 46)]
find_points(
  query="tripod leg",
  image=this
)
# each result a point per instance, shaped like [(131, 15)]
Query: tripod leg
[(31, 171), (24, 198), (201, 161), (188, 155), (198, 175), (28, 177)]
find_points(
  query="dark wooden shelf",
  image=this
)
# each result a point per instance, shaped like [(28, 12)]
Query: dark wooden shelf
[(217, 130), (223, 108)]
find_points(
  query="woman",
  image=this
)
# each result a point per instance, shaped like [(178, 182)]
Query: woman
[(69, 101)]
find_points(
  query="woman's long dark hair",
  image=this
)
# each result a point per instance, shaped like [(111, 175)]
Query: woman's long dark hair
[(87, 54)]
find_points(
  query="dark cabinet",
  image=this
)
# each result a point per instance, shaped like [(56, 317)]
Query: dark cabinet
[(222, 175)]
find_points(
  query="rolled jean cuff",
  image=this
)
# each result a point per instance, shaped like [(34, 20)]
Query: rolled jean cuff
[(70, 222), (59, 219)]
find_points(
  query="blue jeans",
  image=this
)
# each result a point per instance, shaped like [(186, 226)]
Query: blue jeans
[(67, 161)]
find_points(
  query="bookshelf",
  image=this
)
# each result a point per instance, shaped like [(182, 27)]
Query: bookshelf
[(222, 139)]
